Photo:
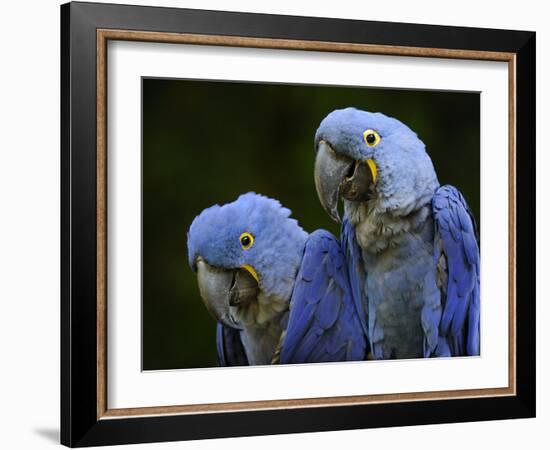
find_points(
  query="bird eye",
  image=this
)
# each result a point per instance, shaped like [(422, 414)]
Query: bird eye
[(246, 240), (371, 137)]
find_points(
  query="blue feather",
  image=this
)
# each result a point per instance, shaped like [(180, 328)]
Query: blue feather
[(299, 321), (352, 254), (455, 232), (329, 328), (331, 306), (230, 348), (442, 349)]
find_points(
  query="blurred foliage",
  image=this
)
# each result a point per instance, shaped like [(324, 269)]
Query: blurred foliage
[(207, 142)]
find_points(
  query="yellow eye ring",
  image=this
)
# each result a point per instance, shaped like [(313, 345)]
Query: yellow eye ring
[(371, 138), (247, 240)]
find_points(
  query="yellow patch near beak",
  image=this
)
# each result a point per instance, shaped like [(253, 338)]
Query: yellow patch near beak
[(373, 169), (251, 271)]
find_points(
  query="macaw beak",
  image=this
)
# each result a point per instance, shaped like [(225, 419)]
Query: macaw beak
[(221, 289), (337, 175)]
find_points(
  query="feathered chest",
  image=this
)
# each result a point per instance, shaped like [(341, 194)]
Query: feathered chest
[(262, 326), (378, 230), (400, 272)]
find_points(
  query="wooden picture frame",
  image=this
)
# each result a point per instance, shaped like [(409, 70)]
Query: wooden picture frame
[(86, 418)]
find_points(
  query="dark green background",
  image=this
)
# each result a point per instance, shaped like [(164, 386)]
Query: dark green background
[(207, 142)]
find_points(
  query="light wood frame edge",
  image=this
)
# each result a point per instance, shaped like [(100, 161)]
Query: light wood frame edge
[(104, 35)]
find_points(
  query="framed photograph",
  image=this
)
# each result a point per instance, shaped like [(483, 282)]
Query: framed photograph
[(277, 224)]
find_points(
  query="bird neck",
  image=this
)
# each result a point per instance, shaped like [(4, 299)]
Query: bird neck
[(262, 326), (378, 229), (262, 312)]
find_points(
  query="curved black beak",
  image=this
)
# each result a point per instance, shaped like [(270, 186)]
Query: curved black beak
[(330, 170), (224, 289), (337, 175)]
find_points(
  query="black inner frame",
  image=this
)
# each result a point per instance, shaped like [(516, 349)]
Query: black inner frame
[(79, 423)]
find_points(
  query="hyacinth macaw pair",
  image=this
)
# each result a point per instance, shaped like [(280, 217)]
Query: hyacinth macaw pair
[(402, 282)]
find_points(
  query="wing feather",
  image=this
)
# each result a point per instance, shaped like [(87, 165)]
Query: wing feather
[(356, 271), (323, 323), (230, 347), (456, 241)]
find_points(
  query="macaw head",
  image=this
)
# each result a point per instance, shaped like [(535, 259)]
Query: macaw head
[(363, 156), (245, 253)]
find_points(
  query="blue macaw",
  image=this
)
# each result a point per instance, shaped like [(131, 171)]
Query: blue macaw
[(411, 245), (279, 294)]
